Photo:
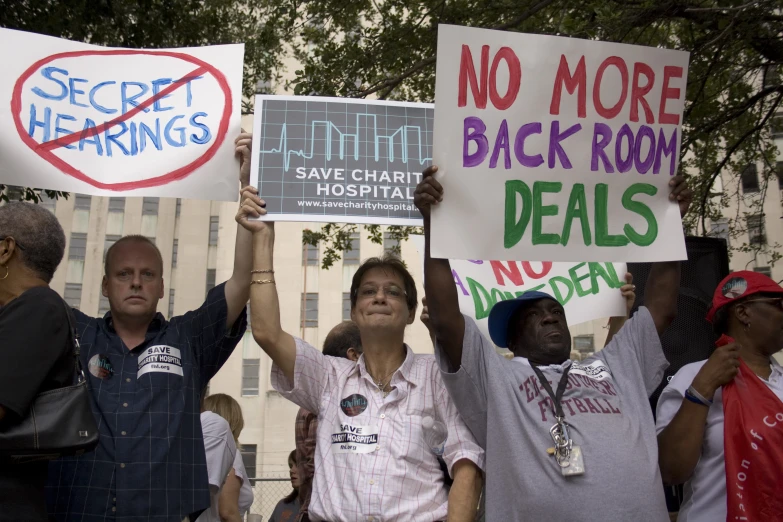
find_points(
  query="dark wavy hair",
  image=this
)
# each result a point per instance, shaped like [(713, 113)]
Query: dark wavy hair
[(391, 262)]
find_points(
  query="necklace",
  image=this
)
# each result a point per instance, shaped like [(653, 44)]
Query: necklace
[(380, 383)]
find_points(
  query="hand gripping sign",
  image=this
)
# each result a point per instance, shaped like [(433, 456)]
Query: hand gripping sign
[(107, 121)]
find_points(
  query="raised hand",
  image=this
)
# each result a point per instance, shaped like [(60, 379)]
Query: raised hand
[(720, 369), (429, 192), (251, 206), (628, 292), (425, 314), (681, 193), (242, 149)]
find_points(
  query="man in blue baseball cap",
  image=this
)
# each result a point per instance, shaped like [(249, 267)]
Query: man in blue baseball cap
[(563, 440)]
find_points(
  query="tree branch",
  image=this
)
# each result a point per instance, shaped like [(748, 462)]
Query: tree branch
[(394, 82), (734, 113), (729, 153)]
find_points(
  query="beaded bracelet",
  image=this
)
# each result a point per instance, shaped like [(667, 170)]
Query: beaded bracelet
[(262, 271), (262, 281)]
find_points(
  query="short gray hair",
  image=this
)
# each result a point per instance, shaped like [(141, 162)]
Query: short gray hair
[(38, 232), (132, 238)]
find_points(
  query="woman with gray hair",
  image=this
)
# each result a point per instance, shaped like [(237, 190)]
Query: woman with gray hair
[(35, 341)]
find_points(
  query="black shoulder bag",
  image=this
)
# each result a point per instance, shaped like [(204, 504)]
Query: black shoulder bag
[(60, 422)]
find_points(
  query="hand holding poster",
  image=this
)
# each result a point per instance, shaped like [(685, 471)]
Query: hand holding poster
[(587, 290), (94, 120), (556, 148)]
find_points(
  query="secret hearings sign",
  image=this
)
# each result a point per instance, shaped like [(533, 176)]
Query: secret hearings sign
[(587, 290), (556, 149), (102, 121)]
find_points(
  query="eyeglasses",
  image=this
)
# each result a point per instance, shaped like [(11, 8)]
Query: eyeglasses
[(777, 302), (390, 291), (3, 238)]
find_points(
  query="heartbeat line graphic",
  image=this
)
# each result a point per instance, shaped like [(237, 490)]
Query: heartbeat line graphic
[(400, 139)]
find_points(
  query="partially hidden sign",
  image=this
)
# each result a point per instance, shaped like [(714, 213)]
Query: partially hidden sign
[(587, 290), (556, 149), (103, 121)]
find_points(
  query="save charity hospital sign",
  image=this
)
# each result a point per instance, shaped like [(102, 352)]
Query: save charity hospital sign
[(556, 149), (102, 121)]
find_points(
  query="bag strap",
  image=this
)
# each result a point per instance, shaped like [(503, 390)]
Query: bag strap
[(76, 346)]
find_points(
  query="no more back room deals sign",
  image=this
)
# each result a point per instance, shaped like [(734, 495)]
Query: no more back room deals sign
[(556, 149), (102, 121)]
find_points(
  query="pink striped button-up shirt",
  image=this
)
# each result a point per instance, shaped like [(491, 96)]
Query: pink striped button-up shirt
[(372, 462)]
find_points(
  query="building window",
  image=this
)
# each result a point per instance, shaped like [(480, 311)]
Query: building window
[(756, 230), (210, 279), (15, 193), (73, 294), (310, 257), (353, 256), (391, 244), (78, 246), (346, 306), (214, 222), (103, 306), (249, 460), (149, 206), (116, 204), (720, 228), (750, 179), (47, 202), (77, 249), (776, 126), (82, 202), (250, 369), (584, 344), (171, 303), (763, 270), (174, 253), (178, 208), (309, 316)]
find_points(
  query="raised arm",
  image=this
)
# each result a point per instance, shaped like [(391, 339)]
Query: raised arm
[(663, 283), (264, 305), (628, 291), (445, 320), (238, 286)]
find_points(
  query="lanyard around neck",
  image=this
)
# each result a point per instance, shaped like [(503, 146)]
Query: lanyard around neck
[(557, 398)]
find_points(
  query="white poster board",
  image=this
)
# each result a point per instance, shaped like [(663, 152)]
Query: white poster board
[(129, 122), (587, 290), (555, 148)]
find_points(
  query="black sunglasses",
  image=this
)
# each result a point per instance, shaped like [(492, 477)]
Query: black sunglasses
[(2, 238)]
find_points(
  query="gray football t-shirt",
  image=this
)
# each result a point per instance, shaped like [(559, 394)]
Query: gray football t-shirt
[(606, 403)]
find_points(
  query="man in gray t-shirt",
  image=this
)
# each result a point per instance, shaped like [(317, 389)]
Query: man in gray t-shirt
[(604, 401)]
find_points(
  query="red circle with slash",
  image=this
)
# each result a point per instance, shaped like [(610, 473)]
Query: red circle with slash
[(45, 150)]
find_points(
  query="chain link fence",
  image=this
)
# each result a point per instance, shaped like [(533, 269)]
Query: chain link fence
[(267, 492)]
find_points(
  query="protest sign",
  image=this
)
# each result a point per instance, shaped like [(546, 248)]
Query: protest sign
[(340, 160), (556, 149), (587, 290), (102, 121)]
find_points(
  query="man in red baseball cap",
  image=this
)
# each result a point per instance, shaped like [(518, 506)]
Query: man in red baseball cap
[(733, 393)]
